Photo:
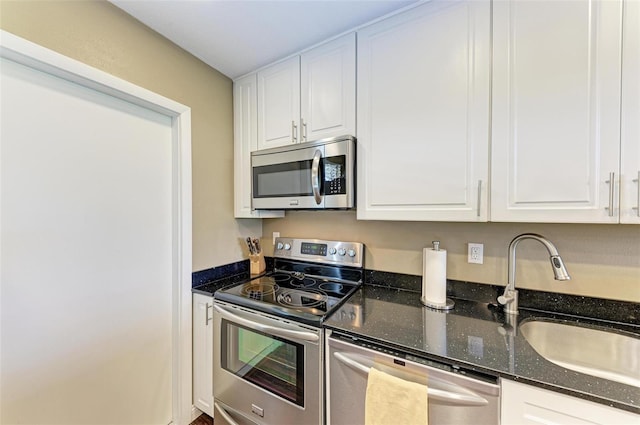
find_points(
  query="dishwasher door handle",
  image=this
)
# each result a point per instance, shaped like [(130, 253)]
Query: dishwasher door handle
[(433, 393)]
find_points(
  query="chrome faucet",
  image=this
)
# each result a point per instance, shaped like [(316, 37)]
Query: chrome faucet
[(510, 297)]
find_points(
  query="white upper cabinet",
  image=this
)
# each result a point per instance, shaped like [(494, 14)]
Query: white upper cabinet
[(328, 93), (279, 104), (556, 111), (630, 171), (245, 140), (309, 97), (423, 114)]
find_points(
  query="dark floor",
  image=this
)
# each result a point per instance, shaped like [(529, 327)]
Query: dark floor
[(203, 420)]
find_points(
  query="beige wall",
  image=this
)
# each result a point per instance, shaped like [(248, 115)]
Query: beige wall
[(101, 35), (603, 260)]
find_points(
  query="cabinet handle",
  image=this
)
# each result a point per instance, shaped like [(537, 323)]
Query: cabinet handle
[(208, 318), (637, 207), (294, 132), (611, 182), (304, 130), (479, 196)]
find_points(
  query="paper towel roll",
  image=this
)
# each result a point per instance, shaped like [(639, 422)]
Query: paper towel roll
[(434, 275)]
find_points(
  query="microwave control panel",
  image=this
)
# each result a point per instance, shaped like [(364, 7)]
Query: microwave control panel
[(334, 177)]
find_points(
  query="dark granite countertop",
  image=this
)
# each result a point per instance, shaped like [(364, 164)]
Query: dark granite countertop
[(473, 335)]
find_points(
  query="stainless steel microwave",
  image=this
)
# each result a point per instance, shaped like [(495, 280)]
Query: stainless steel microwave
[(311, 175)]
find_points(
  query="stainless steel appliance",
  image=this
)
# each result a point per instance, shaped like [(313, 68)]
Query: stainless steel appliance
[(311, 175), (455, 396), (269, 342)]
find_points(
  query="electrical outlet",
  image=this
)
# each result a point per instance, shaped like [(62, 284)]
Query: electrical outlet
[(275, 235), (475, 253)]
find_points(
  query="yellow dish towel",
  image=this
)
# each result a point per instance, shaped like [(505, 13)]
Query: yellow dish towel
[(393, 401)]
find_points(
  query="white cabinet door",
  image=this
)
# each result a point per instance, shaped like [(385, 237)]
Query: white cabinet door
[(556, 110), (245, 140), (524, 404), (279, 104), (328, 89), (630, 163), (203, 353), (423, 114)]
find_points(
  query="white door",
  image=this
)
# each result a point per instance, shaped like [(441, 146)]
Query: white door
[(630, 159), (91, 256), (556, 111), (423, 114), (203, 353), (279, 104), (328, 90)]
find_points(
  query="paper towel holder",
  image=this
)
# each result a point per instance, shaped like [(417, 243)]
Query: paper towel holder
[(448, 304)]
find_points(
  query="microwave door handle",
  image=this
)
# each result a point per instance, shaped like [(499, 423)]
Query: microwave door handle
[(315, 176), (285, 333), (433, 393)]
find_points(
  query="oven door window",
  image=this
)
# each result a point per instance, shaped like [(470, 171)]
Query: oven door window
[(272, 363), (282, 180)]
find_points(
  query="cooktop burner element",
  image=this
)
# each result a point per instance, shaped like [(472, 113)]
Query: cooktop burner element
[(310, 279)]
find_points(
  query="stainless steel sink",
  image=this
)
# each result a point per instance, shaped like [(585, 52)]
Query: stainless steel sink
[(606, 354)]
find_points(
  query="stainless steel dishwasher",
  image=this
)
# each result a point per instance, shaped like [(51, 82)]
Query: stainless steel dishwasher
[(455, 396)]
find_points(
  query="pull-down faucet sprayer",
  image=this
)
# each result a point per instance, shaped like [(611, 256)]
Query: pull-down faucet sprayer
[(510, 297)]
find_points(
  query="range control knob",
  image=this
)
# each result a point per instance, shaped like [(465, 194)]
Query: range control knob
[(287, 247), (332, 251), (279, 245), (351, 253), (342, 251)]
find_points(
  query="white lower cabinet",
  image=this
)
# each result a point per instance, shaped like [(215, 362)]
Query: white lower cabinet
[(525, 404), (203, 353)]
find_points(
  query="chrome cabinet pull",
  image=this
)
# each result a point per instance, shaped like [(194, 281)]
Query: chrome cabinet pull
[(479, 196), (464, 399), (637, 207), (611, 182), (315, 177), (294, 132), (207, 317), (304, 130)]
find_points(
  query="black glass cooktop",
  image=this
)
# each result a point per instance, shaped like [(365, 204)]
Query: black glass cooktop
[(294, 294)]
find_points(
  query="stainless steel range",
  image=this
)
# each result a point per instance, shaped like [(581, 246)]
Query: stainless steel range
[(269, 343)]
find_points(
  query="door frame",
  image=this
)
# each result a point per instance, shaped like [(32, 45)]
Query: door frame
[(42, 59)]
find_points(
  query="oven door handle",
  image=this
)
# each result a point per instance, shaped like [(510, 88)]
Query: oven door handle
[(315, 176), (285, 333), (433, 393)]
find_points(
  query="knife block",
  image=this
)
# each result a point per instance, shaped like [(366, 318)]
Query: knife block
[(257, 264)]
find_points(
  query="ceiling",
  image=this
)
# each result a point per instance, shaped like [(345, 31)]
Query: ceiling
[(239, 36)]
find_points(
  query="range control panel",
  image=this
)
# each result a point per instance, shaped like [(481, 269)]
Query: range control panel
[(321, 251)]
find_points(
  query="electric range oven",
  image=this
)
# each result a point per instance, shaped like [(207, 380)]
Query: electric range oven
[(268, 335)]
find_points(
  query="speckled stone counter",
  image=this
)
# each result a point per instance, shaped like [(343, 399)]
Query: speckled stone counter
[(473, 335)]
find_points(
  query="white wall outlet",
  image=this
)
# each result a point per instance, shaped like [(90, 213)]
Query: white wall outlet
[(275, 235), (476, 251)]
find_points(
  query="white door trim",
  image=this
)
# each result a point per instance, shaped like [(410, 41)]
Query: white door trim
[(42, 59)]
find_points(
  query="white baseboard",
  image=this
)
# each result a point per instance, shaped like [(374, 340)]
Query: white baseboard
[(195, 412)]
